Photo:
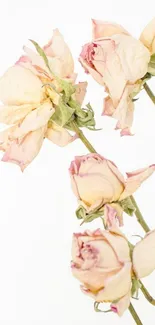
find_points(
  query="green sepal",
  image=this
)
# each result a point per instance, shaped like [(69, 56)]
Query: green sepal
[(63, 113), (81, 213), (135, 288), (151, 66), (127, 206), (84, 117)]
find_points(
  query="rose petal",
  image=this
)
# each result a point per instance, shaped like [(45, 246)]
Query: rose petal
[(35, 119), (80, 93), (12, 114), (20, 86), (105, 29), (24, 151), (120, 306), (148, 36), (108, 107), (144, 255), (135, 179), (113, 215), (59, 135), (116, 286), (58, 49)]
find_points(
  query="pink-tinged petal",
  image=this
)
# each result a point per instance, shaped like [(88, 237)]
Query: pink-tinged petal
[(135, 179), (115, 287), (133, 55), (113, 215), (57, 48), (24, 151), (35, 120), (96, 75), (125, 131), (144, 256), (108, 107), (20, 86), (58, 135), (5, 138), (106, 29), (80, 93), (12, 114), (120, 306), (148, 36)]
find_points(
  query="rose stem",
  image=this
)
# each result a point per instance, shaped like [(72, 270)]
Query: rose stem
[(134, 315), (149, 92), (82, 137), (139, 216), (146, 294), (137, 212)]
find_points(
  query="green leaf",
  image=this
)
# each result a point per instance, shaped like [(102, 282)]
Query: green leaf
[(127, 206), (151, 66), (63, 114), (41, 53)]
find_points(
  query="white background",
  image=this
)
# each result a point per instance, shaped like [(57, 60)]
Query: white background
[(37, 207)]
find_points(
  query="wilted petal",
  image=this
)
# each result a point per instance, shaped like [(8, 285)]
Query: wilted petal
[(81, 89), (105, 29), (148, 36), (108, 107), (120, 306), (20, 86), (58, 50), (135, 179), (119, 244), (24, 151), (59, 135), (144, 255), (96, 75), (35, 119), (125, 109)]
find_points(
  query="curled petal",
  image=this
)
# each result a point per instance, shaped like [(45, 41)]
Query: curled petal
[(113, 214), (96, 75), (135, 179), (148, 36), (122, 304), (106, 29), (144, 255), (59, 135), (20, 86), (24, 151)]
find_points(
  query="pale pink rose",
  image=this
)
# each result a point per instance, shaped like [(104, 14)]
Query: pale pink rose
[(101, 261), (59, 57), (117, 61), (148, 36), (97, 181)]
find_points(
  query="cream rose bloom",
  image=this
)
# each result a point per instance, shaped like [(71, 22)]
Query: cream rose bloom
[(97, 182), (101, 261)]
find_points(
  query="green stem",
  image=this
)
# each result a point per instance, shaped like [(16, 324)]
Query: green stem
[(147, 294), (135, 315), (139, 216), (82, 137), (149, 92)]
